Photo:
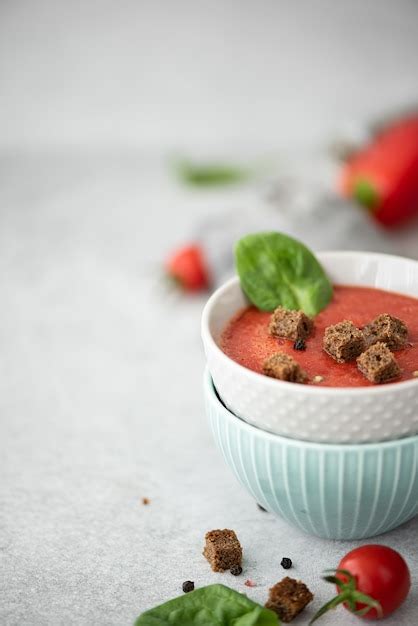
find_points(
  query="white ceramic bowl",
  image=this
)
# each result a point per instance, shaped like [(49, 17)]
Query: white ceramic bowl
[(323, 414)]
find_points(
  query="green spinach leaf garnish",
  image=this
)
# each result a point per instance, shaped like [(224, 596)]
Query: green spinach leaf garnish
[(210, 174), (275, 269), (215, 605)]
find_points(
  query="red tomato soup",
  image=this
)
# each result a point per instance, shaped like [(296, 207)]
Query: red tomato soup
[(247, 341)]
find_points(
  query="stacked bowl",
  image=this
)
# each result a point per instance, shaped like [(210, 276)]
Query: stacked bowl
[(337, 462)]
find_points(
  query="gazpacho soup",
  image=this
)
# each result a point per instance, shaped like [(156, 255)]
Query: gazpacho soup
[(363, 336)]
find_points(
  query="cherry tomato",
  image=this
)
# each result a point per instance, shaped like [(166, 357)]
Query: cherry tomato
[(380, 573), (188, 267)]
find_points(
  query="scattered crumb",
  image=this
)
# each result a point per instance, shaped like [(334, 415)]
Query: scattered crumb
[(415, 374), (250, 583), (317, 379), (145, 501)]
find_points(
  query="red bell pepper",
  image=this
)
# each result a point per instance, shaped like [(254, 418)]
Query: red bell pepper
[(383, 176)]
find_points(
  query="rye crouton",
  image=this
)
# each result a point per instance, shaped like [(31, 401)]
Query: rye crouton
[(290, 324), (386, 329), (378, 364), (288, 598), (284, 367), (222, 549), (343, 341)]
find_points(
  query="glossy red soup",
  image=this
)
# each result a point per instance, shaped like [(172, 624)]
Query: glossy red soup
[(247, 341)]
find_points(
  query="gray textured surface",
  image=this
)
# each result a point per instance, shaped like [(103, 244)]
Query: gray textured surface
[(100, 372), (101, 405), (193, 74)]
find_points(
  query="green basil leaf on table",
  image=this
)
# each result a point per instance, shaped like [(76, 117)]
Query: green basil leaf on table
[(215, 605), (275, 269), (210, 174)]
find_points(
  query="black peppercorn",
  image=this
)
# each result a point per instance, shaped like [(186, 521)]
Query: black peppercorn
[(236, 570), (188, 585), (299, 344), (286, 563)]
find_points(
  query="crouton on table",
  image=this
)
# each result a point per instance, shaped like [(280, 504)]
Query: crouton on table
[(222, 549), (288, 598)]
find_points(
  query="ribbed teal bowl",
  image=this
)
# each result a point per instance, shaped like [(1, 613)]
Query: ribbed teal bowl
[(341, 491)]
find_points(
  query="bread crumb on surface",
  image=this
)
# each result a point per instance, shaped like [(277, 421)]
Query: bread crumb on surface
[(222, 549), (288, 598)]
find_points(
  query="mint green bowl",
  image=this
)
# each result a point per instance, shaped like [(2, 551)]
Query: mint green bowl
[(336, 491)]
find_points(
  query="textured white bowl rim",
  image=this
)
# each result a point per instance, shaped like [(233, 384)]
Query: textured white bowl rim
[(307, 389), (297, 443)]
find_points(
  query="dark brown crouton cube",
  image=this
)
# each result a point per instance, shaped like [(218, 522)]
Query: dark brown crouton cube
[(387, 329), (378, 364), (222, 549), (284, 367), (290, 324), (288, 598), (344, 341)]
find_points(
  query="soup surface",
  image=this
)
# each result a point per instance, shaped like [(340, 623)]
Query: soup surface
[(247, 341)]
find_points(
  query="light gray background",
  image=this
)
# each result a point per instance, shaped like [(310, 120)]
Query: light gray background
[(100, 386)]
